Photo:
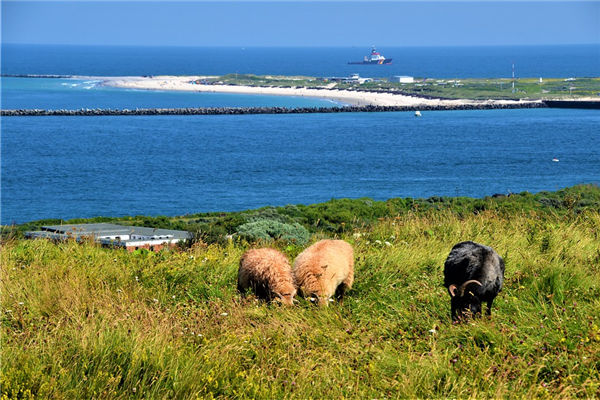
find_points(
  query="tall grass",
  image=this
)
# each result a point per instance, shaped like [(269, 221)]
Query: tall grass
[(79, 321)]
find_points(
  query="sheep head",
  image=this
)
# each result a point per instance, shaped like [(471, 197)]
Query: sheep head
[(286, 295), (464, 299)]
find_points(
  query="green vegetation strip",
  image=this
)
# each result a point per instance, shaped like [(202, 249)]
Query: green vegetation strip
[(470, 88), (80, 321)]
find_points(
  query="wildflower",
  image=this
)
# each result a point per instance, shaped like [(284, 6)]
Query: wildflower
[(357, 235), (378, 241), (224, 314), (21, 303), (173, 297), (155, 300), (137, 279), (432, 331), (387, 243)]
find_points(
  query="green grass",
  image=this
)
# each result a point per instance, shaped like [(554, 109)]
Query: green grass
[(470, 88), (80, 321)]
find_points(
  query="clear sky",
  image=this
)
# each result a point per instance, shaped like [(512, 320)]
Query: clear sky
[(288, 23)]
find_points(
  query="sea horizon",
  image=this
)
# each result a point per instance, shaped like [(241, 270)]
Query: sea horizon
[(422, 61)]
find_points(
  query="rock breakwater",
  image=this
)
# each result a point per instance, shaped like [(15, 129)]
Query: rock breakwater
[(260, 110)]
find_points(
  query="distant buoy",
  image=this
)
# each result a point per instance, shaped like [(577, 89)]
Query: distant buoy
[(555, 159), (417, 113)]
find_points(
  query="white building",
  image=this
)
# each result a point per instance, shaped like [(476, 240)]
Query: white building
[(113, 235), (402, 79)]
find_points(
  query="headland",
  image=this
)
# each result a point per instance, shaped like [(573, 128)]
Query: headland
[(340, 93)]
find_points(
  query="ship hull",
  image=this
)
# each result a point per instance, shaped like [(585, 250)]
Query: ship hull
[(374, 62)]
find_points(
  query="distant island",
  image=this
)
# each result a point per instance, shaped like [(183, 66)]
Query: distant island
[(394, 91)]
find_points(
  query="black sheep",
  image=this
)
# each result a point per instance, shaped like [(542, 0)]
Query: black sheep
[(473, 273)]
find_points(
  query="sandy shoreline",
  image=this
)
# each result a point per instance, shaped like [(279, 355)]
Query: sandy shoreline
[(184, 83)]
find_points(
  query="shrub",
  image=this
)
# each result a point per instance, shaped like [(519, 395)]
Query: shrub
[(268, 229)]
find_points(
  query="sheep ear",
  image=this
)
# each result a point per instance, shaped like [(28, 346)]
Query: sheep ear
[(452, 290), (467, 283)]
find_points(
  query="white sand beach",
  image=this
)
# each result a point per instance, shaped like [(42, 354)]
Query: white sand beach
[(184, 83)]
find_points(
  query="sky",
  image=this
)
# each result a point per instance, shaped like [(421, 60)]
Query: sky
[(289, 23)]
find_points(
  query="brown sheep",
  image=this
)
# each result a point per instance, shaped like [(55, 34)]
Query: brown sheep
[(268, 273), (325, 269)]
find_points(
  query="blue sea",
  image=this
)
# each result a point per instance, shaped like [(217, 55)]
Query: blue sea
[(67, 167)]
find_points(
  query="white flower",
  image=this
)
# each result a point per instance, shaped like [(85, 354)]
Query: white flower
[(224, 314), (432, 331), (155, 300), (378, 241), (21, 303), (387, 243)]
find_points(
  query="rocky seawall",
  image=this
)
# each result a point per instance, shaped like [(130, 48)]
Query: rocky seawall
[(261, 110), (585, 104)]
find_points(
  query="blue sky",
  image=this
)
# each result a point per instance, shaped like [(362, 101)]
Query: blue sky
[(288, 23)]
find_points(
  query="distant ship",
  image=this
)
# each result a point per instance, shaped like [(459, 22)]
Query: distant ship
[(373, 59)]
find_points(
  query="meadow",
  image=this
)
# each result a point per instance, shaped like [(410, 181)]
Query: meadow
[(448, 88), (80, 321)]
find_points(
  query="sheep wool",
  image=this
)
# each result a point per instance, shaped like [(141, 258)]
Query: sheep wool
[(325, 269), (268, 273)]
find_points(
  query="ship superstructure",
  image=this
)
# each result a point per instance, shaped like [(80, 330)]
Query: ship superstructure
[(375, 58)]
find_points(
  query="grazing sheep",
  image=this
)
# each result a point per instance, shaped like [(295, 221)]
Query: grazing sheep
[(325, 269), (268, 273), (473, 273)]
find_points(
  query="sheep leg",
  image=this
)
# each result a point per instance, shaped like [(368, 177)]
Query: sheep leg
[(340, 291), (489, 307), (344, 286)]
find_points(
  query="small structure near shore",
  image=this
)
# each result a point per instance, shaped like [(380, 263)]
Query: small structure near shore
[(402, 79), (112, 235)]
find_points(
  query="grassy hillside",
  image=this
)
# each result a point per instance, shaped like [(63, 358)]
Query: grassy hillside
[(79, 321), (339, 216)]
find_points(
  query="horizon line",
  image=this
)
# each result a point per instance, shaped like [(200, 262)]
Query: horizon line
[(295, 45)]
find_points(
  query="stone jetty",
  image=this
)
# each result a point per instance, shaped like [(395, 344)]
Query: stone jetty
[(262, 110)]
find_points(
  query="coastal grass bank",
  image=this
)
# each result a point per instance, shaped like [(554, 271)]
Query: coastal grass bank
[(79, 320)]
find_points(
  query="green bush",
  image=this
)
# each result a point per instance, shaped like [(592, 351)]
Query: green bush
[(268, 229)]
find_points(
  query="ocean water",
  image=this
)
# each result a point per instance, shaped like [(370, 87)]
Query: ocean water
[(66, 167), (54, 93), (432, 62)]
